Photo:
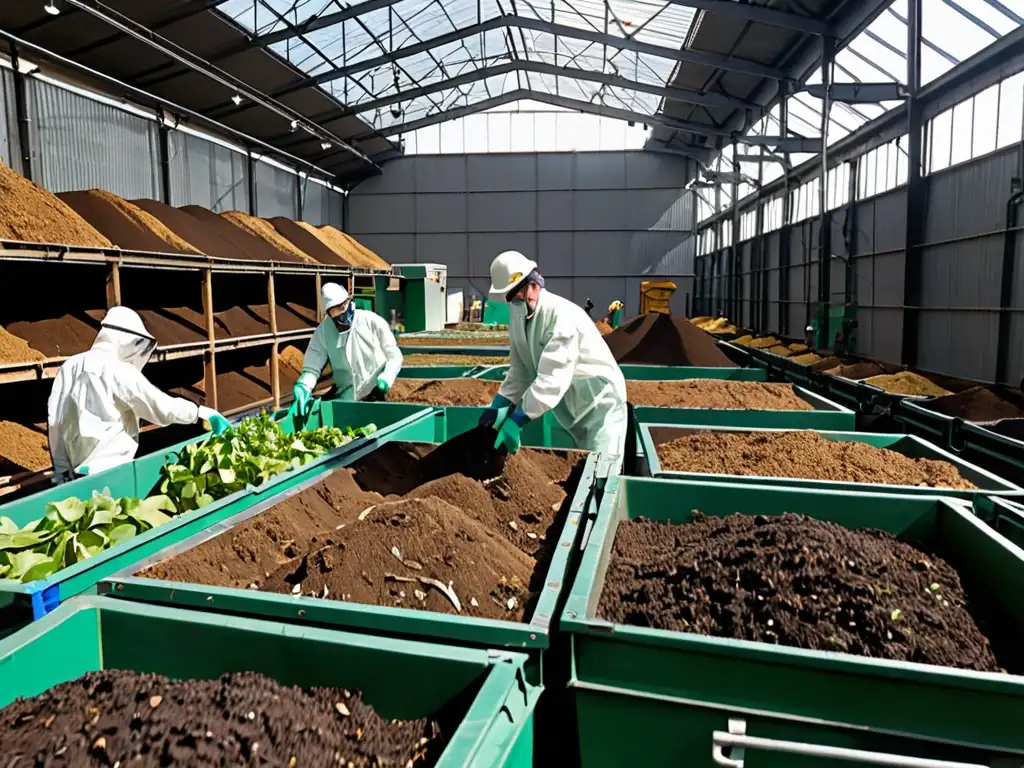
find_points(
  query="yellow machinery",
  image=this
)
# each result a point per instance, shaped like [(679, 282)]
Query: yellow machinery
[(655, 295)]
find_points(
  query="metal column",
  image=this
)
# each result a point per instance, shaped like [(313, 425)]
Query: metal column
[(163, 145), (916, 188), (250, 173), (828, 47), (21, 113), (785, 231)]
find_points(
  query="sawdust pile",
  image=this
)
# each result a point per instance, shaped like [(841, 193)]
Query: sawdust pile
[(907, 383), (126, 224), (780, 350), (805, 359), (32, 214), (23, 447), (265, 231), (14, 349), (347, 247)]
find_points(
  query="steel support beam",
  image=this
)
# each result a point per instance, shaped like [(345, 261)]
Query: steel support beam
[(21, 115), (765, 158), (759, 14), (828, 52), (916, 188), (785, 233), (164, 149), (783, 143), (539, 67), (859, 93), (710, 60)]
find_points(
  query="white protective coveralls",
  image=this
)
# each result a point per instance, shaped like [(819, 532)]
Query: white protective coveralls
[(99, 397), (358, 356), (559, 362)]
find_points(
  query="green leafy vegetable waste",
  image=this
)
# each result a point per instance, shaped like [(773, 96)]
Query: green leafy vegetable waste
[(71, 530)]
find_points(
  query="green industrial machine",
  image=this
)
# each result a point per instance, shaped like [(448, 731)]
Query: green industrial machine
[(654, 435), (664, 698), (401, 679), (424, 296)]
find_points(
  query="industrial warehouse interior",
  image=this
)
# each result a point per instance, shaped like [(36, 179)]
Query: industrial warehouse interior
[(481, 383)]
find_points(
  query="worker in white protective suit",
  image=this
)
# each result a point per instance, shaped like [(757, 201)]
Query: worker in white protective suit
[(558, 362), (358, 344), (100, 396)]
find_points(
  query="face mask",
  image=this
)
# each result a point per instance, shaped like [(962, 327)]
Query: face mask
[(343, 322)]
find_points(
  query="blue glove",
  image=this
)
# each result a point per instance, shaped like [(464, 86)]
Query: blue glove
[(303, 402), (383, 385), (510, 431), (490, 416), (82, 470), (217, 422)]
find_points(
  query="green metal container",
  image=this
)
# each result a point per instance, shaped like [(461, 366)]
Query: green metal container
[(826, 415), (656, 373), (401, 679), (140, 478), (532, 635), (665, 698), (439, 371), (654, 435)]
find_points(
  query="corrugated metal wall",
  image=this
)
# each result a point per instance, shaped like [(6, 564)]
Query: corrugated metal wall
[(8, 122), (78, 143), (275, 191), (207, 173), (321, 205), (598, 223)]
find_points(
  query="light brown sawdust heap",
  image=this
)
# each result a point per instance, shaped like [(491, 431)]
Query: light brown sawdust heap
[(714, 393), (743, 341), (350, 249), (32, 214), (780, 350), (291, 357), (453, 360), (14, 349), (805, 359), (907, 383), (265, 231), (146, 221), (798, 347), (803, 454), (23, 447), (767, 341)]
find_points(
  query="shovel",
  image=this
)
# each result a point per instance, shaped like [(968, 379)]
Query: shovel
[(471, 454)]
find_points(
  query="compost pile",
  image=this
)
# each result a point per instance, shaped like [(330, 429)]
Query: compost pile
[(22, 447), (795, 581), (213, 240), (781, 350), (117, 717), (806, 358), (125, 224), (857, 371), (264, 231), (306, 241), (717, 394), (375, 534), (32, 214), (658, 339), (907, 383), (14, 349), (350, 249), (429, 359), (803, 454), (444, 391), (975, 404), (454, 341)]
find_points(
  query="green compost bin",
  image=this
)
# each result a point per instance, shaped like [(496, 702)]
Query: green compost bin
[(655, 373), (826, 415), (533, 635), (664, 698), (141, 478), (989, 484), (401, 679)]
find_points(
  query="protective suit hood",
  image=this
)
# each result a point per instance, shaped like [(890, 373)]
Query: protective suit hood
[(123, 334)]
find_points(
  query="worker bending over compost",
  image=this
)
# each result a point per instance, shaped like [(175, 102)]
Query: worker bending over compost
[(558, 362), (100, 396), (360, 347)]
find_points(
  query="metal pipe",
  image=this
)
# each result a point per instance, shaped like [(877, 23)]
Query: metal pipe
[(825, 219), (21, 112)]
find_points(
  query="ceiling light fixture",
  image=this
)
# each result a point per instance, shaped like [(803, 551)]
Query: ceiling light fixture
[(237, 99), (52, 8), (293, 125), (325, 145)]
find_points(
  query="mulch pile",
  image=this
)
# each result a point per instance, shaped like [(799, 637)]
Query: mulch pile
[(125, 224), (857, 371), (907, 383), (803, 454), (60, 336), (429, 359), (794, 581), (116, 717), (243, 244), (714, 393), (975, 404), (658, 339), (35, 215), (23, 448), (489, 542), (346, 246), (781, 350), (452, 341), (306, 241), (211, 241), (444, 391), (14, 349), (806, 358), (264, 231)]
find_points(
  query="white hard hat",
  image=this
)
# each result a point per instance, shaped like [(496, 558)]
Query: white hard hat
[(333, 295), (124, 319), (809, 328), (508, 270)]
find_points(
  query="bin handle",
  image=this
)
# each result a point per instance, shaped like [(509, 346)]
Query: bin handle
[(737, 739)]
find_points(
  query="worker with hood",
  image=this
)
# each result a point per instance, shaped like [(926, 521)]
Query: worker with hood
[(100, 396), (557, 362), (358, 344)]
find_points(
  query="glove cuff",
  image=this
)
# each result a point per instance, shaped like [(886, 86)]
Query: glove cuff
[(205, 413), (519, 417)]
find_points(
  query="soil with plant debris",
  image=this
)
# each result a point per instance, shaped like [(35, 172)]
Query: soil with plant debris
[(796, 581), (444, 391), (716, 394), (113, 717), (487, 544)]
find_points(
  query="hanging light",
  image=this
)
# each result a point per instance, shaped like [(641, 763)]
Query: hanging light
[(293, 125), (52, 8), (237, 99), (325, 145)]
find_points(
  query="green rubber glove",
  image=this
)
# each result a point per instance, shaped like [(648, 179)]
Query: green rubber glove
[(383, 385), (303, 402), (510, 431), (218, 423)]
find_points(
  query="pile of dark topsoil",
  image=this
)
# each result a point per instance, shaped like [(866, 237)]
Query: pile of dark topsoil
[(716, 394), (803, 454), (116, 717), (658, 339), (976, 404), (396, 530), (443, 391), (796, 581)]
